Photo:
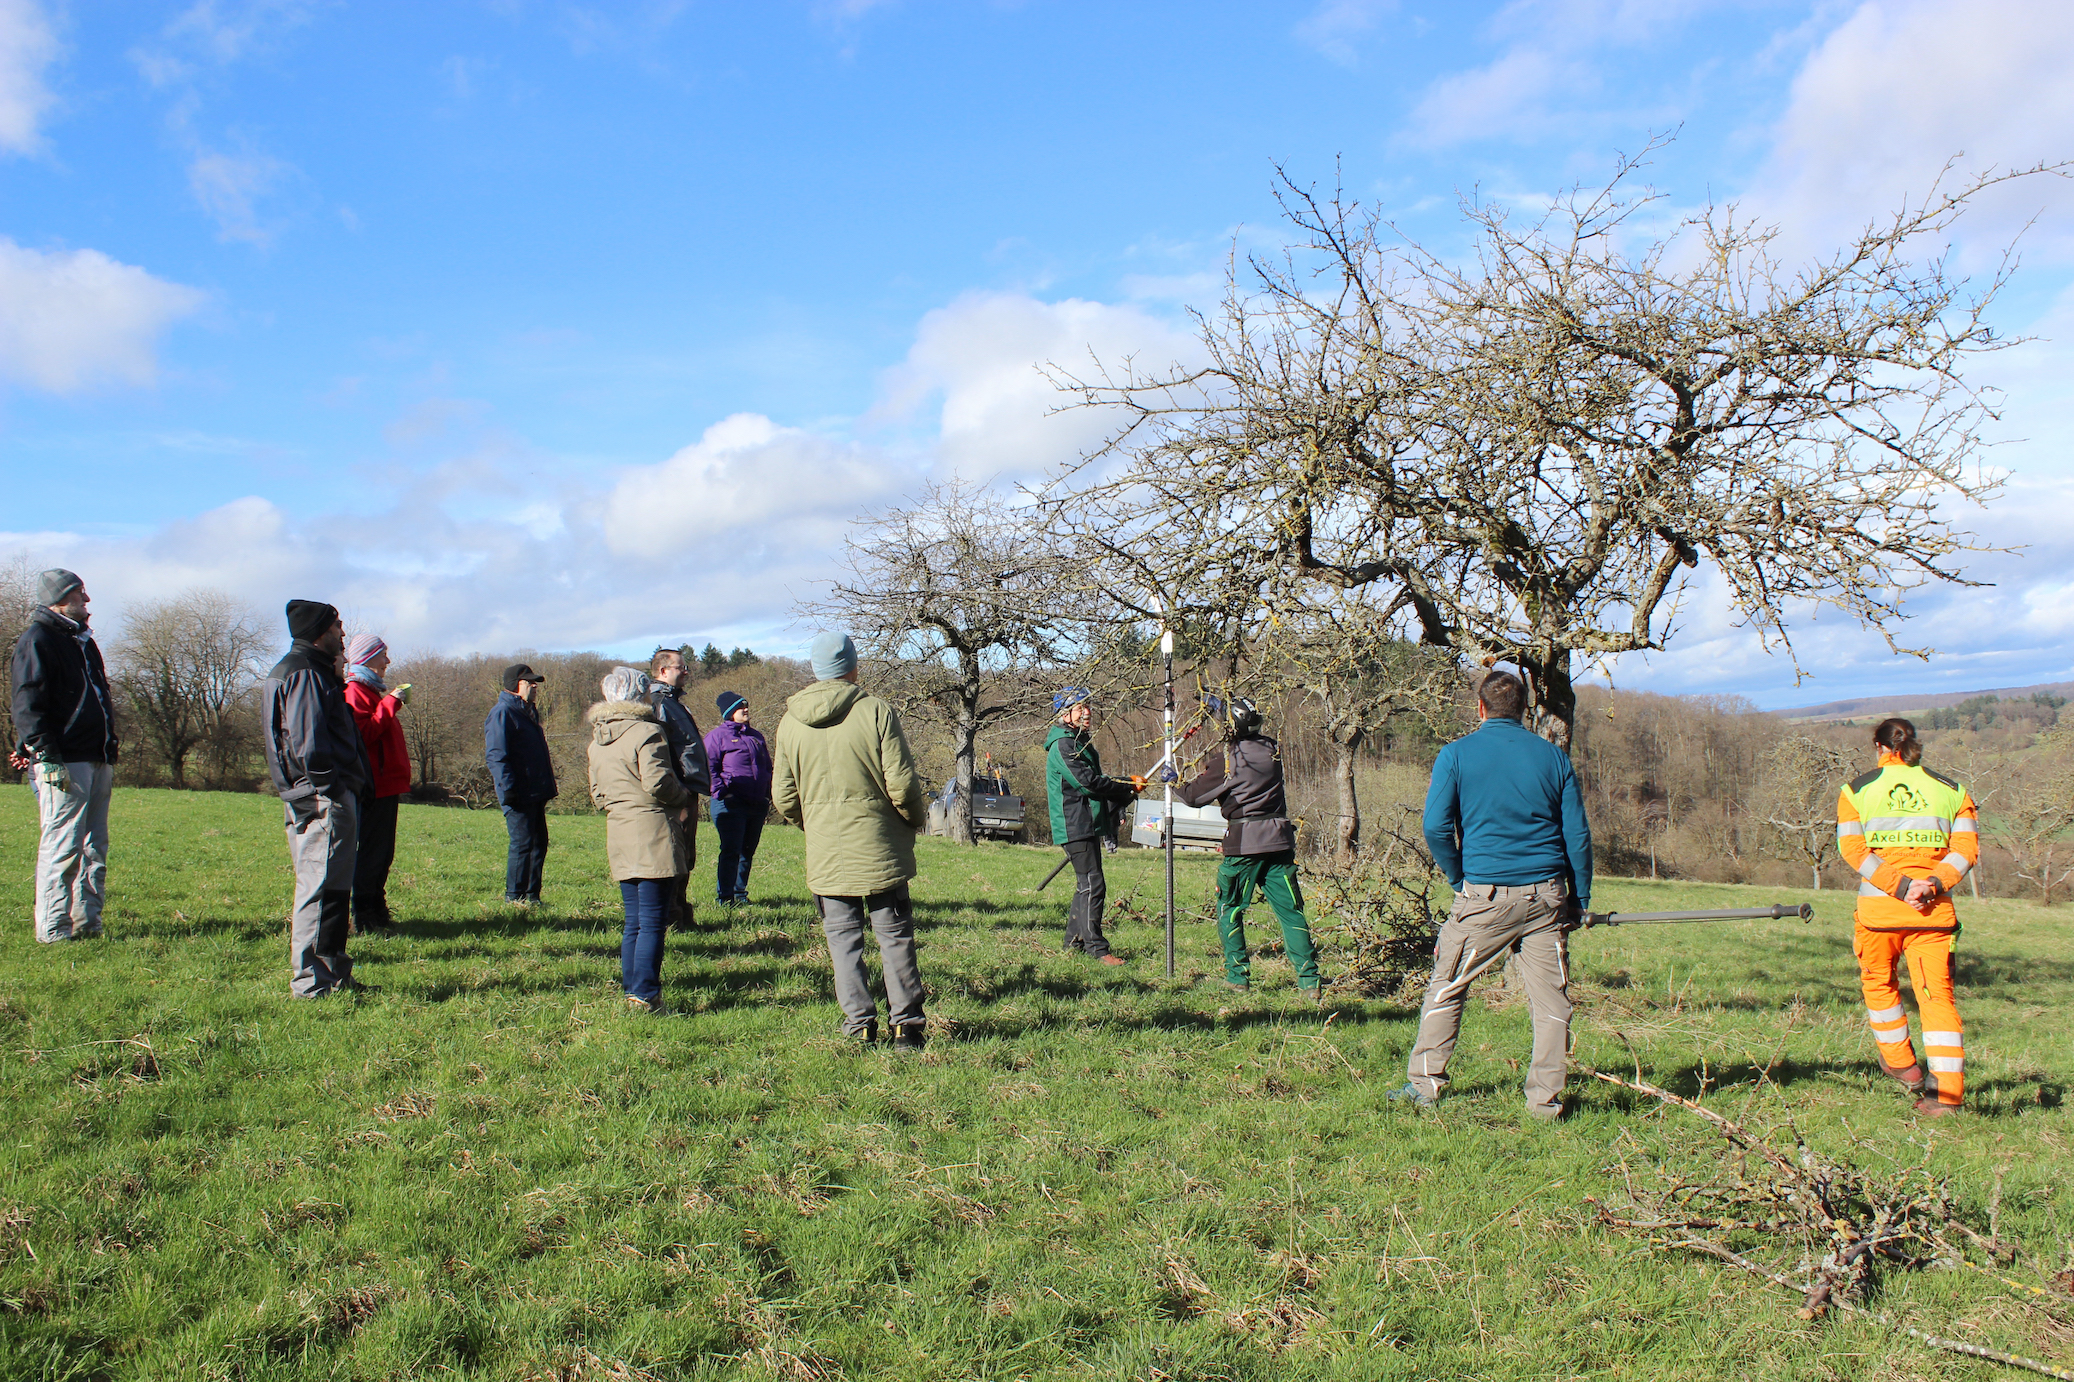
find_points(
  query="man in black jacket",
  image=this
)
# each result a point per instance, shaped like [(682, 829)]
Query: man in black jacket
[(64, 726), (320, 768), (1084, 801), (515, 748), (1259, 848), (687, 744)]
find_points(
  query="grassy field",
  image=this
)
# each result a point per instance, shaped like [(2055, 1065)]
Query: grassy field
[(489, 1169)]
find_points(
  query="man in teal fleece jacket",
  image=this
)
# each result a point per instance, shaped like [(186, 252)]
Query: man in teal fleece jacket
[(1505, 822)]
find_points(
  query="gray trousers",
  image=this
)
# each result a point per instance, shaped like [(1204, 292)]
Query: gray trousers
[(72, 856), (323, 835), (1487, 923), (892, 920)]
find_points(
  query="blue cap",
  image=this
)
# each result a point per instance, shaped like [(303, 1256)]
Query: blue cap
[(1069, 696), (833, 656)]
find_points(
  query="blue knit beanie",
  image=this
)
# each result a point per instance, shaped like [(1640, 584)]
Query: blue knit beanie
[(834, 656)]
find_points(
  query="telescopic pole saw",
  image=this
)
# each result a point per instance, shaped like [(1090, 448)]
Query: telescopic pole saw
[(1166, 652), (1587, 920)]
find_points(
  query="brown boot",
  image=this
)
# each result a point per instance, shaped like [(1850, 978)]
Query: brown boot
[(1934, 1108), (1911, 1076)]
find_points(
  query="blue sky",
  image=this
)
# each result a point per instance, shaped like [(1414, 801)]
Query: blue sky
[(544, 325)]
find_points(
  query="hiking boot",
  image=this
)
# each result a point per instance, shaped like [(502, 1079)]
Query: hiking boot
[(910, 1037), (1934, 1107), (1412, 1094), (1910, 1076), (1314, 995), (869, 1036)]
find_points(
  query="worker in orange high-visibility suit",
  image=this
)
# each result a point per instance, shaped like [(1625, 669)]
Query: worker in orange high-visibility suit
[(1912, 834)]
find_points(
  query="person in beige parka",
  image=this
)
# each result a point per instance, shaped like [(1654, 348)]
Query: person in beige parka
[(843, 771), (633, 782)]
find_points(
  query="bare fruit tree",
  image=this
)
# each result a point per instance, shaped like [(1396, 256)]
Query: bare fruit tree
[(185, 666), (17, 603), (1796, 798), (1338, 649), (1536, 448), (962, 597)]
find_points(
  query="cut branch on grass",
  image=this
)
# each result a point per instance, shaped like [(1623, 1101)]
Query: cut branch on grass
[(1842, 1225)]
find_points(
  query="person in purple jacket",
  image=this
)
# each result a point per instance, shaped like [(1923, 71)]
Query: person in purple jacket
[(741, 764)]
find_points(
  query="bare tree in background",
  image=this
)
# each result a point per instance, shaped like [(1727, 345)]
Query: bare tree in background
[(17, 603), (2033, 808), (1337, 648), (1533, 451), (962, 596), (1796, 798), (185, 666)]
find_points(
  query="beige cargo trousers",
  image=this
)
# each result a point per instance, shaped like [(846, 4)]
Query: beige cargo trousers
[(1487, 923)]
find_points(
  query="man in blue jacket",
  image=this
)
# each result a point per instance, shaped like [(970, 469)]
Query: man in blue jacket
[(1505, 822), (516, 749)]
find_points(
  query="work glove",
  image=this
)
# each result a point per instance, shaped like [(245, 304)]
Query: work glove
[(55, 776), (1137, 782), (402, 694), (1167, 774)]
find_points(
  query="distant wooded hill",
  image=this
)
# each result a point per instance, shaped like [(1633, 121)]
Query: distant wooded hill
[(1904, 703)]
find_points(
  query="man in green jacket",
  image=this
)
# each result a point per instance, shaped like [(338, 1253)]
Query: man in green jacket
[(842, 769), (1083, 814)]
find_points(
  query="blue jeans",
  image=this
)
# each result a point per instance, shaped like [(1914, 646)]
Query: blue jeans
[(647, 905), (739, 824), (524, 862)]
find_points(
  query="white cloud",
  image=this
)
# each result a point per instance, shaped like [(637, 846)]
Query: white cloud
[(27, 46), (749, 481), (73, 318), (230, 187), (226, 30), (1336, 26), (1902, 85), (984, 357)]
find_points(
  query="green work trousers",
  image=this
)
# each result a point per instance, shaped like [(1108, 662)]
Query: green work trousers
[(1238, 878)]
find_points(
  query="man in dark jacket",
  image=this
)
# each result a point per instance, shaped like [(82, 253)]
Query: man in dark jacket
[(320, 768), (64, 726), (516, 749), (1083, 814), (1506, 824), (1259, 848), (687, 746)]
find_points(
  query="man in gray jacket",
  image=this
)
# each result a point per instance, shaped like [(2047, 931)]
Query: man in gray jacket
[(1259, 848), (320, 768)]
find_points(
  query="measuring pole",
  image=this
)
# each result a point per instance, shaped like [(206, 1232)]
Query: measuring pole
[(1166, 652)]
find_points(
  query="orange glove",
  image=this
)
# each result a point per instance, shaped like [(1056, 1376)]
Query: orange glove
[(1138, 781)]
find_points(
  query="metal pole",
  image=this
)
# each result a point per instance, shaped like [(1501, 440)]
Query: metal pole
[(1166, 652)]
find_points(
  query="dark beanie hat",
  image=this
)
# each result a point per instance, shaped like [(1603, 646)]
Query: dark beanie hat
[(516, 673), (310, 620), (729, 702)]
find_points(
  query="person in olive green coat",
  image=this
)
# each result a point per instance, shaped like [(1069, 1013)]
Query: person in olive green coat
[(842, 770), (633, 782)]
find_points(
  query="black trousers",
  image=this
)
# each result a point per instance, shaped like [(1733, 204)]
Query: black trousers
[(372, 861), (1090, 899), (527, 857)]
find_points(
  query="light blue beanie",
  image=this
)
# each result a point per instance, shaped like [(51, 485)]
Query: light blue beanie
[(834, 656)]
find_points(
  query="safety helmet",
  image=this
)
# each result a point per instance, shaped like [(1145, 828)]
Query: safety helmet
[(1069, 696), (1245, 718)]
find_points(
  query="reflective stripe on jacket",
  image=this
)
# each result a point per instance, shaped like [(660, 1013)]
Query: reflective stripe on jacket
[(1898, 824)]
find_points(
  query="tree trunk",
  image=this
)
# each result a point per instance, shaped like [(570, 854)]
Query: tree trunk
[(1554, 709), (1346, 749), (1817, 870), (964, 735)]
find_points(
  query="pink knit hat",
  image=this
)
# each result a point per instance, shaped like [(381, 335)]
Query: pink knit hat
[(363, 647)]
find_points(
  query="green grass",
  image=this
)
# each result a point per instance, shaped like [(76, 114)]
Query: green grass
[(489, 1170)]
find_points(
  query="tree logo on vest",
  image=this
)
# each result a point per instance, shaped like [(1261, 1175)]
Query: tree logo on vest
[(1904, 800)]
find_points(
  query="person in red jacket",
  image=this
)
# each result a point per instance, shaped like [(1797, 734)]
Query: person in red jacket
[(374, 709)]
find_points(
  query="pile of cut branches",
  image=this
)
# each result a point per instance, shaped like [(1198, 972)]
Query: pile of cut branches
[(1805, 1222), (1379, 924)]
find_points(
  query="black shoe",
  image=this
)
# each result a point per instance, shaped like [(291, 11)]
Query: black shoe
[(910, 1037), (869, 1036)]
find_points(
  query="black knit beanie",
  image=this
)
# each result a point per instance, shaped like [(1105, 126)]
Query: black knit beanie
[(729, 702), (310, 620)]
